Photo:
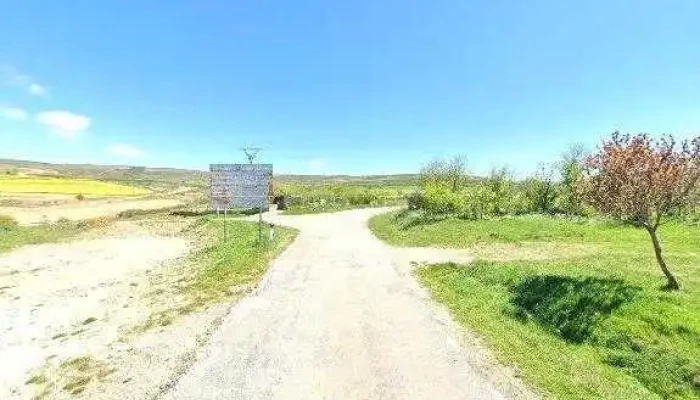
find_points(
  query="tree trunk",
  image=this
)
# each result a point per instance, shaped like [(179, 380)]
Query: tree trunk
[(672, 282)]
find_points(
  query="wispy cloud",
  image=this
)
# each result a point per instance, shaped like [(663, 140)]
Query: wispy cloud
[(11, 76), (36, 89), (13, 113), (64, 123), (125, 151)]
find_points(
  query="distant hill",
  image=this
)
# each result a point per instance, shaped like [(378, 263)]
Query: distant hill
[(393, 179), (87, 169), (142, 176), (148, 176)]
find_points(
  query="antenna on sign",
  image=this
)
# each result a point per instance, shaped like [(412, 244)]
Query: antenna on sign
[(251, 153)]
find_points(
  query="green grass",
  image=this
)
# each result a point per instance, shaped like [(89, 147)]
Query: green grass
[(592, 326), (13, 235), (319, 197), (224, 270), (232, 266), (300, 209), (405, 228), (59, 185)]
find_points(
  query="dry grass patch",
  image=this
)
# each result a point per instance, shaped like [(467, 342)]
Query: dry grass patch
[(530, 251), (71, 376)]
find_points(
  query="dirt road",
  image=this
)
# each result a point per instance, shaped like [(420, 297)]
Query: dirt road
[(339, 316), (83, 210)]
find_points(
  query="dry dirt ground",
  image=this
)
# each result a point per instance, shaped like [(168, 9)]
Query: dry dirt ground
[(73, 315), (83, 210), (338, 316)]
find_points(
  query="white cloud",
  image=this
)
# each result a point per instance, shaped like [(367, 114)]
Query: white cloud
[(64, 123), (315, 165), (11, 76), (125, 150), (37, 90), (13, 113)]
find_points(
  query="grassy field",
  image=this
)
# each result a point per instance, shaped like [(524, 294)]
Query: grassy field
[(72, 186), (327, 207), (311, 197), (585, 326), (13, 236)]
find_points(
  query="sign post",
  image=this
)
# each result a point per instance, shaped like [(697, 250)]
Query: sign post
[(240, 186), (260, 224)]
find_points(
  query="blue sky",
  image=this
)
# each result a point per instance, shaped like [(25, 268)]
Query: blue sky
[(356, 87)]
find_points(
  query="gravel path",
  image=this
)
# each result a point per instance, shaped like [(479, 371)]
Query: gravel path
[(339, 316)]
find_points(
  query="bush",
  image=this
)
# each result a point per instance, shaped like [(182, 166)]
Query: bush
[(439, 199), (540, 195), (571, 168), (364, 198), (451, 173), (415, 200), (80, 197), (500, 192), (475, 203)]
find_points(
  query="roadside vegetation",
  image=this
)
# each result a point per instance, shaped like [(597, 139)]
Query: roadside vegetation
[(225, 265), (607, 322), (234, 264), (13, 235), (310, 197)]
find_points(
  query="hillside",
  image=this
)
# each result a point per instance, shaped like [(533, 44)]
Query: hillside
[(149, 175)]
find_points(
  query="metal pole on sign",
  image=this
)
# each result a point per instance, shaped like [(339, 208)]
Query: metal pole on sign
[(225, 212), (260, 225)]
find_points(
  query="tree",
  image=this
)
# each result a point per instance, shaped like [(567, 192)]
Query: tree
[(640, 181), (541, 190), (451, 173), (571, 171), (499, 191)]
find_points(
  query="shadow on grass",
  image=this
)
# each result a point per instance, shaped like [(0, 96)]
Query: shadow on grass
[(569, 306), (407, 219)]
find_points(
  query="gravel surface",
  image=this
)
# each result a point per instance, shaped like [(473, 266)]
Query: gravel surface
[(63, 301), (339, 316)]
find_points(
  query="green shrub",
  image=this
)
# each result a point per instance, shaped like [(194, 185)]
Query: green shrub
[(439, 199), (500, 191), (540, 195), (415, 200), (475, 203), (362, 198)]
